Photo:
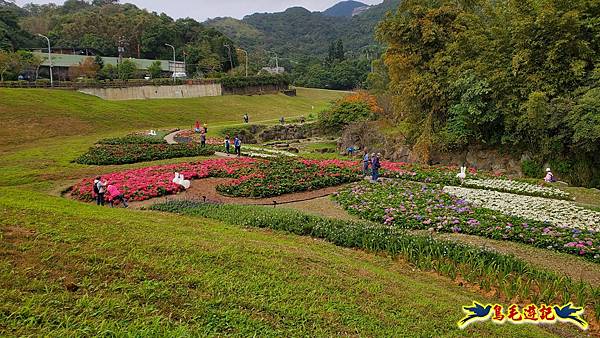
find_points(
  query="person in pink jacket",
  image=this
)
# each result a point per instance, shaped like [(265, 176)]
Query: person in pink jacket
[(116, 194)]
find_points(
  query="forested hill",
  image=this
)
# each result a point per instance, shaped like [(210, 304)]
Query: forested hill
[(104, 24), (299, 32), (344, 8)]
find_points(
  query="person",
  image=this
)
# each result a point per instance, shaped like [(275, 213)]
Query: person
[(116, 194), (99, 190), (237, 143), (197, 127), (282, 120), (366, 161), (350, 151), (302, 120), (375, 165), (227, 144), (549, 176), (205, 127), (246, 118), (203, 140)]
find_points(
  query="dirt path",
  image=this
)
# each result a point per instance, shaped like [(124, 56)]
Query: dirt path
[(206, 189)]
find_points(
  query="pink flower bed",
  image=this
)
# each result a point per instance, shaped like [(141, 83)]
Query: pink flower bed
[(146, 183)]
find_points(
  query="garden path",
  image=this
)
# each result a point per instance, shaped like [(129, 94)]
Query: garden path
[(207, 188), (170, 138)]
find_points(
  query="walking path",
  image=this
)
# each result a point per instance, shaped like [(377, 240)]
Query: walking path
[(170, 138)]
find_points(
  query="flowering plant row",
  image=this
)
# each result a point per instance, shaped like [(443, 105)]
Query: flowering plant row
[(108, 154), (557, 212), (146, 183), (421, 206), (283, 176), (516, 187), (133, 139)]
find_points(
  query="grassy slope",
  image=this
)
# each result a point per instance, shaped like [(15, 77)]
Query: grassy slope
[(156, 274), (43, 130), (151, 273)]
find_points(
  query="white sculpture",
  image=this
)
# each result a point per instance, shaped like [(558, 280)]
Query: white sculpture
[(184, 183), (180, 180), (463, 174)]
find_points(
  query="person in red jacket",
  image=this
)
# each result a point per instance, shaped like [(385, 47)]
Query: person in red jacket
[(116, 195)]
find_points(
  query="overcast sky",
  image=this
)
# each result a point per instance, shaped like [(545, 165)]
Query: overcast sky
[(203, 9)]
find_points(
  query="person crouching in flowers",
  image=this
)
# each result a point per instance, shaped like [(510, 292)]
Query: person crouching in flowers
[(549, 176), (116, 195)]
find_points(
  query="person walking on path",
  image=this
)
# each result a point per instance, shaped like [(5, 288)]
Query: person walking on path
[(366, 161), (282, 120), (227, 144), (246, 118), (99, 190), (205, 128), (203, 140), (116, 195), (375, 165), (237, 143)]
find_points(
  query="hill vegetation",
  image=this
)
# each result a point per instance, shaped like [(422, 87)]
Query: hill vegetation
[(344, 8), (521, 76)]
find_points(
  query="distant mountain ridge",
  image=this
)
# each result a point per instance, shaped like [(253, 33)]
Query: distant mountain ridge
[(300, 32), (346, 9)]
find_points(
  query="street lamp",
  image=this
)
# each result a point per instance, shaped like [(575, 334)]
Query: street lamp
[(174, 60), (245, 52), (49, 58)]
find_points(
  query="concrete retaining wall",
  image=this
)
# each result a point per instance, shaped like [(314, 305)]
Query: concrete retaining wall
[(155, 92)]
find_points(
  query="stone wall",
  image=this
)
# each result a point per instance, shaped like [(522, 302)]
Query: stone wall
[(368, 136), (155, 92)]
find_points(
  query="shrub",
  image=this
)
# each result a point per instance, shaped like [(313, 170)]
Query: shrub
[(109, 154), (532, 169), (352, 108), (133, 139)]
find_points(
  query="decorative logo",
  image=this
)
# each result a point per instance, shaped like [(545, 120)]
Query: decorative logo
[(530, 314)]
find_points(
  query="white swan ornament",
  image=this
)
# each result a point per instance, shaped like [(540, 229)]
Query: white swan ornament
[(176, 180)]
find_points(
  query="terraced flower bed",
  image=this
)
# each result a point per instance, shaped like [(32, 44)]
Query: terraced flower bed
[(516, 187), (422, 206), (139, 148)]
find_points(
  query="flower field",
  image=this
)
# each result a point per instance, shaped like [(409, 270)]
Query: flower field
[(516, 187), (421, 206), (559, 213)]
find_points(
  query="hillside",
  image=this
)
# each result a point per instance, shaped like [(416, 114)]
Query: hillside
[(68, 268), (344, 8), (298, 32)]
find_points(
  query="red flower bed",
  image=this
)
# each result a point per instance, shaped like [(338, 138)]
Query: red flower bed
[(146, 183)]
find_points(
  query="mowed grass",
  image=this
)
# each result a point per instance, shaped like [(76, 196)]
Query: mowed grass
[(36, 114), (44, 130), (72, 269)]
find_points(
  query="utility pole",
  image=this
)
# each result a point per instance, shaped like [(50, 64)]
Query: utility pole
[(121, 48), (49, 58), (229, 52), (245, 52)]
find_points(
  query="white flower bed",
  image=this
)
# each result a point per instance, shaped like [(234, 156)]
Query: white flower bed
[(556, 212), (516, 187), (272, 152)]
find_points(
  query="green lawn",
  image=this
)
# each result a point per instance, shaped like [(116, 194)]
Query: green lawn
[(71, 269)]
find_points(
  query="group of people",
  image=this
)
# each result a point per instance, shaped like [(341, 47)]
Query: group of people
[(106, 191), (237, 145), (371, 161)]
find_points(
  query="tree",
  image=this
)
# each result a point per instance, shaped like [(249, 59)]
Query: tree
[(155, 69), (126, 69), (6, 60)]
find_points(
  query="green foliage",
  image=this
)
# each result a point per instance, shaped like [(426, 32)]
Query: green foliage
[(518, 75), (133, 139), (155, 70), (126, 69), (532, 169), (264, 80), (343, 113)]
